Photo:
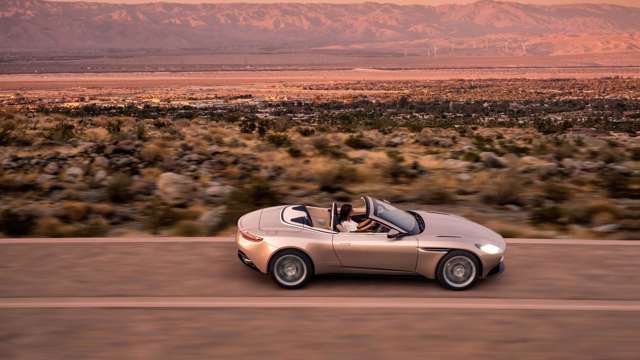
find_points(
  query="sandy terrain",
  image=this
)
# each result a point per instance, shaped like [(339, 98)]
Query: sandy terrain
[(21, 82)]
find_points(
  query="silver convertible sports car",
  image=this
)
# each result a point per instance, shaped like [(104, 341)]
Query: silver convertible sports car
[(293, 243)]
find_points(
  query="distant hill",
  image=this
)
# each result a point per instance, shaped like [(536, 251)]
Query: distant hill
[(484, 27)]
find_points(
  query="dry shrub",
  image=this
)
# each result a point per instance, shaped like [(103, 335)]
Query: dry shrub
[(154, 152), (119, 188), (53, 227), (159, 215), (334, 178), (434, 194), (256, 194), (17, 222), (595, 213), (75, 211), (99, 135), (556, 192), (504, 191), (278, 139), (359, 141), (187, 228)]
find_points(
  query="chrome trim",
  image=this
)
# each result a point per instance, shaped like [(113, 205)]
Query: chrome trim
[(434, 250)]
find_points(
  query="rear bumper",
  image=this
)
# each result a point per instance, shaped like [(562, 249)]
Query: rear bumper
[(245, 260), (255, 254)]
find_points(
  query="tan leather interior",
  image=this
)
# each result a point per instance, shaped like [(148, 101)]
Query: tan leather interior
[(320, 217)]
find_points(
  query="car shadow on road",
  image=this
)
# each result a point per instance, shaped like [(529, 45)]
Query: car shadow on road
[(364, 280)]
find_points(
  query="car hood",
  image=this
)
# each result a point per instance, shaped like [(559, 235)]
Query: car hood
[(448, 225)]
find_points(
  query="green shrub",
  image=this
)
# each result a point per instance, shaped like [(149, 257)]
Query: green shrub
[(616, 184), (118, 188), (306, 131), (334, 179), (323, 147), (547, 215), (611, 155), (141, 131), (188, 228), (433, 194), (16, 223), (61, 132), (359, 142), (294, 152), (397, 170), (114, 127), (556, 192), (565, 151), (549, 126), (506, 191), (93, 228), (470, 156), (159, 215), (256, 194), (7, 129), (278, 139), (585, 215)]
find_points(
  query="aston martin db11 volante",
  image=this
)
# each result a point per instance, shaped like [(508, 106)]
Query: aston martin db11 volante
[(292, 243)]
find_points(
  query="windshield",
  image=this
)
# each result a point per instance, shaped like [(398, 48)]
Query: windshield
[(402, 219)]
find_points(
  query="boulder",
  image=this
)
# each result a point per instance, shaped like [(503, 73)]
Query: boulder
[(210, 220), (51, 168), (395, 141), (216, 190), (454, 164), (100, 177), (607, 228), (101, 162), (491, 160), (175, 189), (74, 174)]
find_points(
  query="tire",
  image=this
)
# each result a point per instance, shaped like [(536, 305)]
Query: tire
[(291, 269), (458, 270)]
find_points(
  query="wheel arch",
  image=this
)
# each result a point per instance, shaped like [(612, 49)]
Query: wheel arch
[(291, 248), (475, 256)]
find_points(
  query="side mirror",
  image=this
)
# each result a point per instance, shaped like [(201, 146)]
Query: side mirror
[(393, 234)]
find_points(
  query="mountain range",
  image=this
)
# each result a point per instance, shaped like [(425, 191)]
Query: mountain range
[(483, 27)]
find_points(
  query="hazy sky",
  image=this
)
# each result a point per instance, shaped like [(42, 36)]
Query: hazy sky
[(425, 2)]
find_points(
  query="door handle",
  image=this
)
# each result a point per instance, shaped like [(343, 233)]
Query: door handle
[(345, 244)]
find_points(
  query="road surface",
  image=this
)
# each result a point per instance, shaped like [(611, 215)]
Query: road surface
[(192, 299)]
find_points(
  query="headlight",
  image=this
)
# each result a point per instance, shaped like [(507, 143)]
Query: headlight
[(488, 248)]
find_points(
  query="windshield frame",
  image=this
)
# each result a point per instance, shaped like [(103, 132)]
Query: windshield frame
[(372, 204)]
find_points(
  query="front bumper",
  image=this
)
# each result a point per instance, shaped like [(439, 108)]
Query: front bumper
[(498, 268)]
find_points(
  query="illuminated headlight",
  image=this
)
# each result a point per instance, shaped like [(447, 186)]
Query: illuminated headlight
[(489, 248)]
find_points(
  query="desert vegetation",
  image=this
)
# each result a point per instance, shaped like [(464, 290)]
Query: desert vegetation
[(546, 158)]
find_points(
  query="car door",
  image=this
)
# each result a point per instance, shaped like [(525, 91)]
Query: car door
[(376, 251)]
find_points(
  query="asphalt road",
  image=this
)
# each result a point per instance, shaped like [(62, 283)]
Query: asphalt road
[(192, 298)]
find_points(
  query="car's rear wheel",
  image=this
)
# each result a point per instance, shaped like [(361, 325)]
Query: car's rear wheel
[(458, 270), (291, 269)]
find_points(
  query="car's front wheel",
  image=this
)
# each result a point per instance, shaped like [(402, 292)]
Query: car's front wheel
[(291, 269), (458, 270)]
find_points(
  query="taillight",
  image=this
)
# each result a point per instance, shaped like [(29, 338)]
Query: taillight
[(249, 236)]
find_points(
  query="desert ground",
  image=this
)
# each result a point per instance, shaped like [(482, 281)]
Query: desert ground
[(546, 152)]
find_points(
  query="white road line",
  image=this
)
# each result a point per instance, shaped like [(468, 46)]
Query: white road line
[(116, 240), (591, 242), (320, 302), (226, 239)]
